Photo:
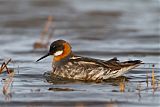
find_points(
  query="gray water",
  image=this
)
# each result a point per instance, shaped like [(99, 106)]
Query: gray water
[(126, 29)]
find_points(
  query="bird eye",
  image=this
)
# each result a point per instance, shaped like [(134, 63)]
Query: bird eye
[(53, 46)]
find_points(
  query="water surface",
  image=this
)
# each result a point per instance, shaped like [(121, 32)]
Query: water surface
[(100, 29)]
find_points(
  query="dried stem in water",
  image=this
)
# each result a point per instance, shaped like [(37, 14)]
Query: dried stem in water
[(46, 28), (4, 65), (122, 86), (7, 84), (44, 41), (153, 79)]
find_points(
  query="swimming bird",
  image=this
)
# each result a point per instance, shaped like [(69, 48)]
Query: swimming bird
[(68, 65)]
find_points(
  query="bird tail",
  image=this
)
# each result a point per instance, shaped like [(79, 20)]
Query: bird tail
[(132, 63), (126, 66)]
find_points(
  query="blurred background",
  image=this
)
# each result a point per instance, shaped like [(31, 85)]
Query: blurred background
[(124, 26), (127, 29)]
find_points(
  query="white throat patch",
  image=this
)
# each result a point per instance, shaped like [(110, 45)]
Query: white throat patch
[(58, 53)]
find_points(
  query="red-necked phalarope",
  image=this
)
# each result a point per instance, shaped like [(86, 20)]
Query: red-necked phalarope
[(68, 65)]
